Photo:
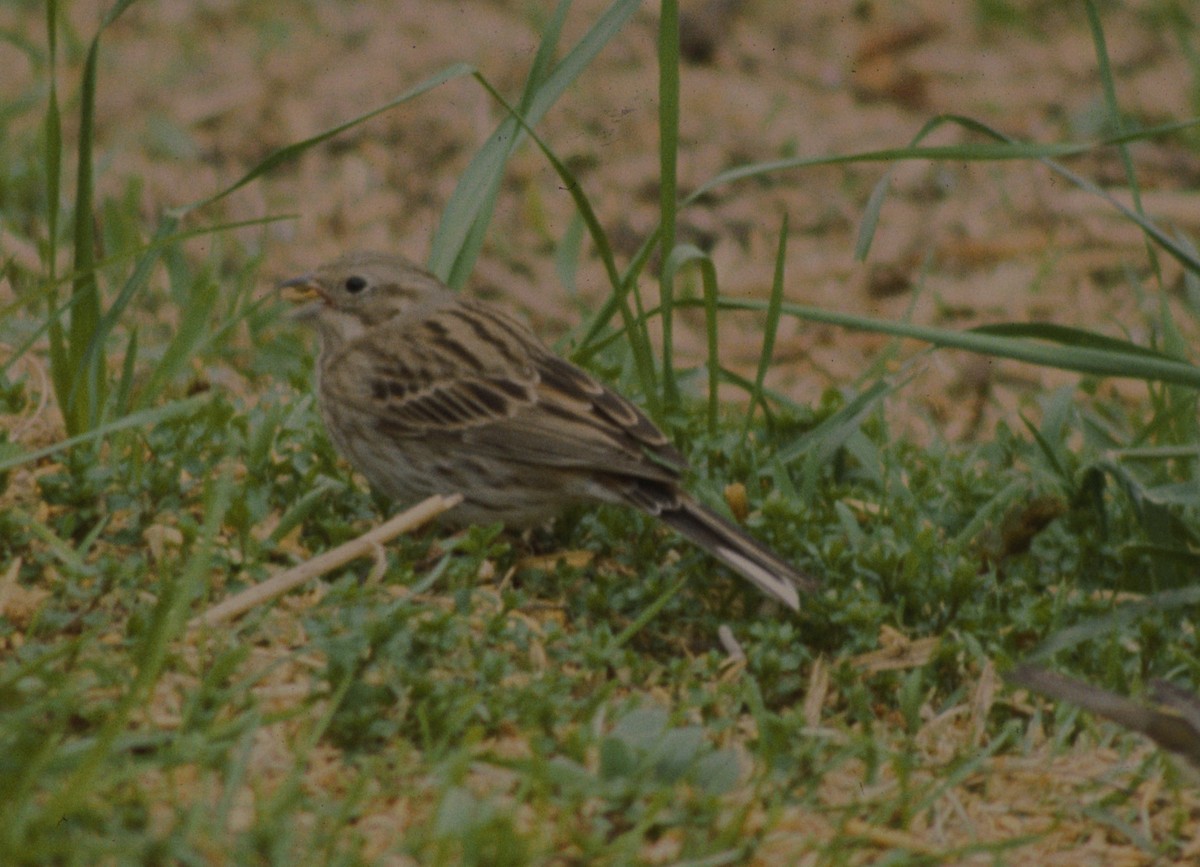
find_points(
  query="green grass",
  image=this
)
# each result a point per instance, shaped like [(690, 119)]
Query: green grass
[(469, 709)]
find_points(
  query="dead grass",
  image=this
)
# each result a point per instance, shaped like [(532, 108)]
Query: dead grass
[(195, 93)]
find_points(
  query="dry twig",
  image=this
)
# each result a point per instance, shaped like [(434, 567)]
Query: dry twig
[(366, 544)]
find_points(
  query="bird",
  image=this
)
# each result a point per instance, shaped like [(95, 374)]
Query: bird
[(425, 391)]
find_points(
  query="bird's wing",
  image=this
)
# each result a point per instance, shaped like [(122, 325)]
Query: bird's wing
[(574, 420), (468, 371)]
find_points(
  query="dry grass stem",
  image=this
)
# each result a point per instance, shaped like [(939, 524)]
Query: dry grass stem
[(366, 544)]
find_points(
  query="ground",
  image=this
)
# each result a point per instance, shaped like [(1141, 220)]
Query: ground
[(194, 93)]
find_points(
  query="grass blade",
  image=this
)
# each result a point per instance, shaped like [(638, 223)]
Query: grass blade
[(635, 327), (450, 257), (1067, 336), (683, 255), (460, 232), (290, 152), (1104, 66), (192, 331), (166, 622), (668, 150), (770, 328), (1003, 148), (78, 371), (1135, 363), (1120, 616), (146, 417), (157, 244), (93, 356), (819, 445), (81, 402), (128, 369), (52, 157)]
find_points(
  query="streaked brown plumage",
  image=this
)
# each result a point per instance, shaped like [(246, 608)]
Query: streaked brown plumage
[(425, 391)]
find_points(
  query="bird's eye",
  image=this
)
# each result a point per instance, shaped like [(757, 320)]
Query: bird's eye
[(355, 284)]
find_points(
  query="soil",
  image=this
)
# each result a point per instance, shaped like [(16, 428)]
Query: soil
[(194, 92)]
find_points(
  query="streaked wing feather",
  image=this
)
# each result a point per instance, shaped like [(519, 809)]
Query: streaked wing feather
[(465, 370), (446, 407), (563, 387), (577, 421), (449, 371), (531, 439)]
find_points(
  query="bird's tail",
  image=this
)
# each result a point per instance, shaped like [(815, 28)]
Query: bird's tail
[(740, 551)]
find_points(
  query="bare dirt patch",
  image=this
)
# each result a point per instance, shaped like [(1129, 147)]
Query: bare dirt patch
[(194, 93)]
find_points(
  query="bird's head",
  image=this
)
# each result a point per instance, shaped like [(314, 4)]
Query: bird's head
[(359, 291)]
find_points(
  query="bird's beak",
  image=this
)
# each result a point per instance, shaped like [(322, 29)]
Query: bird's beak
[(305, 293), (300, 289)]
